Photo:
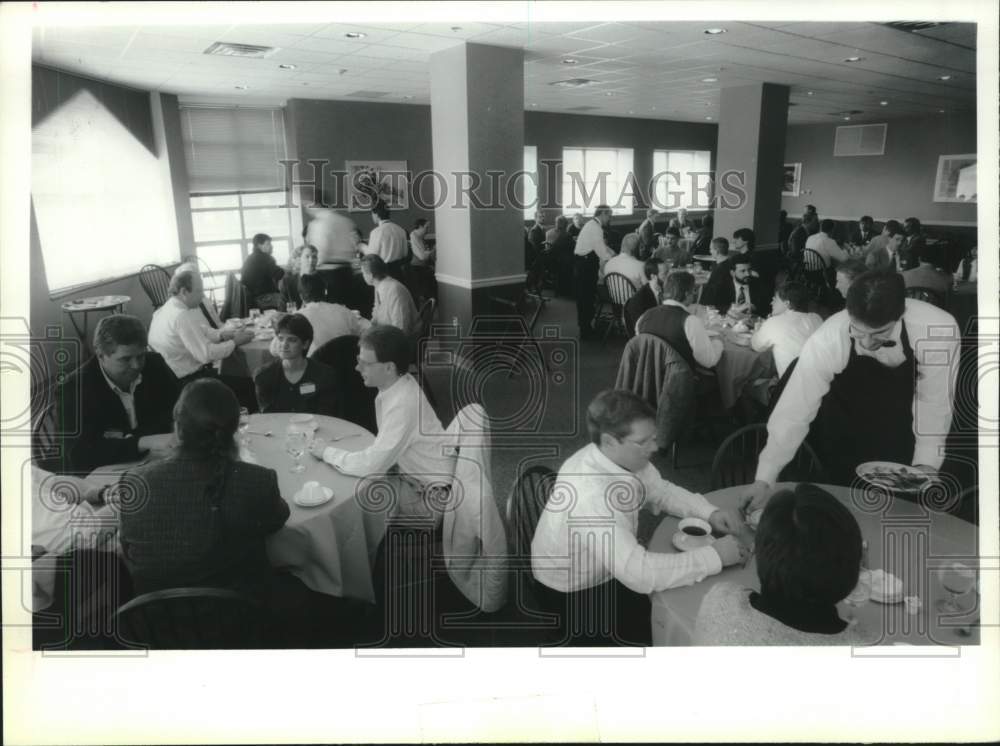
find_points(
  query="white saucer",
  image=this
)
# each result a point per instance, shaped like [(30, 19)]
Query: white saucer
[(686, 543), (327, 492)]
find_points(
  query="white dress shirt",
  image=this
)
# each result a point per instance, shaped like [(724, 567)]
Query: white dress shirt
[(785, 334), (329, 321), (409, 436), (184, 338), (706, 349), (586, 536), (127, 397), (629, 266), (389, 241), (591, 239), (394, 306), (827, 248), (933, 336)]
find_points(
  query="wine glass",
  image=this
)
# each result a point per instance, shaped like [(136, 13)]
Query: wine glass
[(295, 446), (244, 426), (957, 579)]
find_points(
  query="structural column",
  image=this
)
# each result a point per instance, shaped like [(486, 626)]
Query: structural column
[(477, 122), (752, 125)]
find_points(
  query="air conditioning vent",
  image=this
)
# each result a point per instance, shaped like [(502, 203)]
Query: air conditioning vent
[(583, 108), (573, 83), (911, 26), (860, 139), (227, 49), (368, 94)]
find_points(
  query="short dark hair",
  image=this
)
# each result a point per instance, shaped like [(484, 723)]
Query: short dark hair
[(912, 224), (721, 245), (375, 265), (298, 325), (419, 223), (678, 286), (739, 259), (808, 547), (206, 416), (866, 219), (811, 208), (746, 234), (602, 210), (852, 268), (796, 295), (562, 223), (311, 288), (118, 329), (877, 298), (652, 267), (613, 411), (381, 209), (390, 345), (827, 226), (260, 239), (674, 232), (893, 227)]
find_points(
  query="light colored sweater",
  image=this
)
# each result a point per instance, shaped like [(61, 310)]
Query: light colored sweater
[(727, 618)]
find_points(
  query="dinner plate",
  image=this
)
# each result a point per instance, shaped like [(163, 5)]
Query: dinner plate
[(686, 543), (893, 476), (301, 502), (886, 588)]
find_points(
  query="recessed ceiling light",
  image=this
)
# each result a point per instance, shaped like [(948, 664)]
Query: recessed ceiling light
[(456, 28), (944, 77), (355, 35), (847, 119), (709, 80), (240, 87), (652, 108), (715, 31), (287, 66), (609, 93), (569, 61), (940, 111), (709, 118), (408, 97), (631, 111), (883, 103), (853, 59), (532, 104), (809, 93)]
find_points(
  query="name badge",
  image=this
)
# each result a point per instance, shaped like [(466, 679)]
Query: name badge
[(307, 388)]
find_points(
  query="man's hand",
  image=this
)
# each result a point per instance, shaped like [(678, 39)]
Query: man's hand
[(317, 447), (727, 521), (243, 336), (731, 551), (755, 496)]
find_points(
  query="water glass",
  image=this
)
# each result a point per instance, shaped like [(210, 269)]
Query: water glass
[(957, 579), (254, 313), (291, 307), (295, 446)]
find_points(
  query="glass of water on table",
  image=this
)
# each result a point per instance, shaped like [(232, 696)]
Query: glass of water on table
[(295, 446)]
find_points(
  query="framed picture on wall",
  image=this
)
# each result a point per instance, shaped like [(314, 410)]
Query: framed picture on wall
[(371, 181), (956, 178), (792, 180)]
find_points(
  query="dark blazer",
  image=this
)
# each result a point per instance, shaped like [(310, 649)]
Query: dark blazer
[(92, 419), (724, 295), (637, 305), (171, 536), (797, 240), (276, 394), (537, 237), (860, 238), (260, 274)]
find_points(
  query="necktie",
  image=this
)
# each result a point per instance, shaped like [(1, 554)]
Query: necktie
[(742, 298), (208, 316)]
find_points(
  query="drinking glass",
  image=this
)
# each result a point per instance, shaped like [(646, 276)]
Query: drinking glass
[(254, 313), (290, 307), (295, 446), (244, 426), (957, 579)]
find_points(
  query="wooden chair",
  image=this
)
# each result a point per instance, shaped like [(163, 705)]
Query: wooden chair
[(928, 295), (192, 619), (155, 280), (235, 305), (620, 290), (735, 461)]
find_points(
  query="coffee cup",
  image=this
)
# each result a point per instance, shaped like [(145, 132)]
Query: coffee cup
[(696, 528)]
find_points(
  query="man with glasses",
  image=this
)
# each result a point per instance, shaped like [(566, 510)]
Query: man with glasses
[(585, 555), (874, 383)]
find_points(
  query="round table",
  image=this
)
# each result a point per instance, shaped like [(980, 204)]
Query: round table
[(739, 365), (331, 547), (95, 304), (903, 538)]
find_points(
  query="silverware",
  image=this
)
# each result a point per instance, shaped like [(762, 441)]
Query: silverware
[(255, 432), (342, 437)]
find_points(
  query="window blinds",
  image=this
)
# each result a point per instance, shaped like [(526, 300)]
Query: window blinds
[(230, 149)]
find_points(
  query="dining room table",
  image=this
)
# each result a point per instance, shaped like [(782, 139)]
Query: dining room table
[(740, 365), (904, 537), (247, 359)]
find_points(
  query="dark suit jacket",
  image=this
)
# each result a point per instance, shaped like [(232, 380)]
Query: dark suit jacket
[(260, 274), (725, 296), (537, 237), (797, 240), (93, 421), (858, 238), (171, 536), (637, 305)]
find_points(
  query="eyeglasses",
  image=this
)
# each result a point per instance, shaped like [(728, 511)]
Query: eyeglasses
[(878, 335), (367, 363), (644, 443)]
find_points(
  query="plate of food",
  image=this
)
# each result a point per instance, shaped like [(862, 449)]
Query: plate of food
[(886, 588), (893, 476)]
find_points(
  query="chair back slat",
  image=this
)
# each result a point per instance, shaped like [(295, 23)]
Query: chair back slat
[(620, 288), (813, 261), (524, 509), (191, 619), (736, 459), (155, 280)]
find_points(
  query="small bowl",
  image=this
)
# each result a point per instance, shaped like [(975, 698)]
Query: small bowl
[(303, 421)]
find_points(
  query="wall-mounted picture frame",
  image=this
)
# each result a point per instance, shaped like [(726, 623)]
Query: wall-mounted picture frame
[(371, 181), (792, 180), (956, 178)]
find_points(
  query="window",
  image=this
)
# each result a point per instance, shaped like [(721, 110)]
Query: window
[(594, 176), (530, 181), (680, 179)]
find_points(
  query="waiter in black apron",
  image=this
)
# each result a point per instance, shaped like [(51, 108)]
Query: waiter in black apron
[(591, 249), (874, 383)]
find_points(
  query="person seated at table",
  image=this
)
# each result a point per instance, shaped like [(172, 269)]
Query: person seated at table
[(561, 242), (260, 275), (328, 320), (204, 515), (863, 231), (394, 305), (181, 334), (422, 258), (824, 244), (626, 263), (647, 233), (847, 273), (788, 327), (680, 221), (590, 250), (670, 250), (798, 237), (584, 554), (926, 275), (741, 294), (883, 250), (684, 331), (703, 239), (577, 226), (409, 432), (302, 261), (294, 383), (116, 407), (388, 241), (650, 295), (861, 392), (914, 245), (808, 550)]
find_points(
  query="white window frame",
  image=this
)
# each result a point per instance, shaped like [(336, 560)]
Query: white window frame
[(573, 201)]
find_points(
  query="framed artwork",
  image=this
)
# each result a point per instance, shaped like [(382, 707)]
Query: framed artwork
[(792, 180), (956, 178), (371, 181)]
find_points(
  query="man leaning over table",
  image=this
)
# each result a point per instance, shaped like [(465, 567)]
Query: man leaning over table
[(409, 432), (584, 553), (874, 383)]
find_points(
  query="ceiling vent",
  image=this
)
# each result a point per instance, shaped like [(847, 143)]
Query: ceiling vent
[(583, 108), (860, 139), (368, 94), (574, 83), (227, 49), (911, 26), (851, 113)]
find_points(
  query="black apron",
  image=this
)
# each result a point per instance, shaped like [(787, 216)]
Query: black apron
[(867, 415)]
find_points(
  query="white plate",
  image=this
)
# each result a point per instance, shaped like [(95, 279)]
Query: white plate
[(327, 493), (886, 588), (880, 474), (686, 543)]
